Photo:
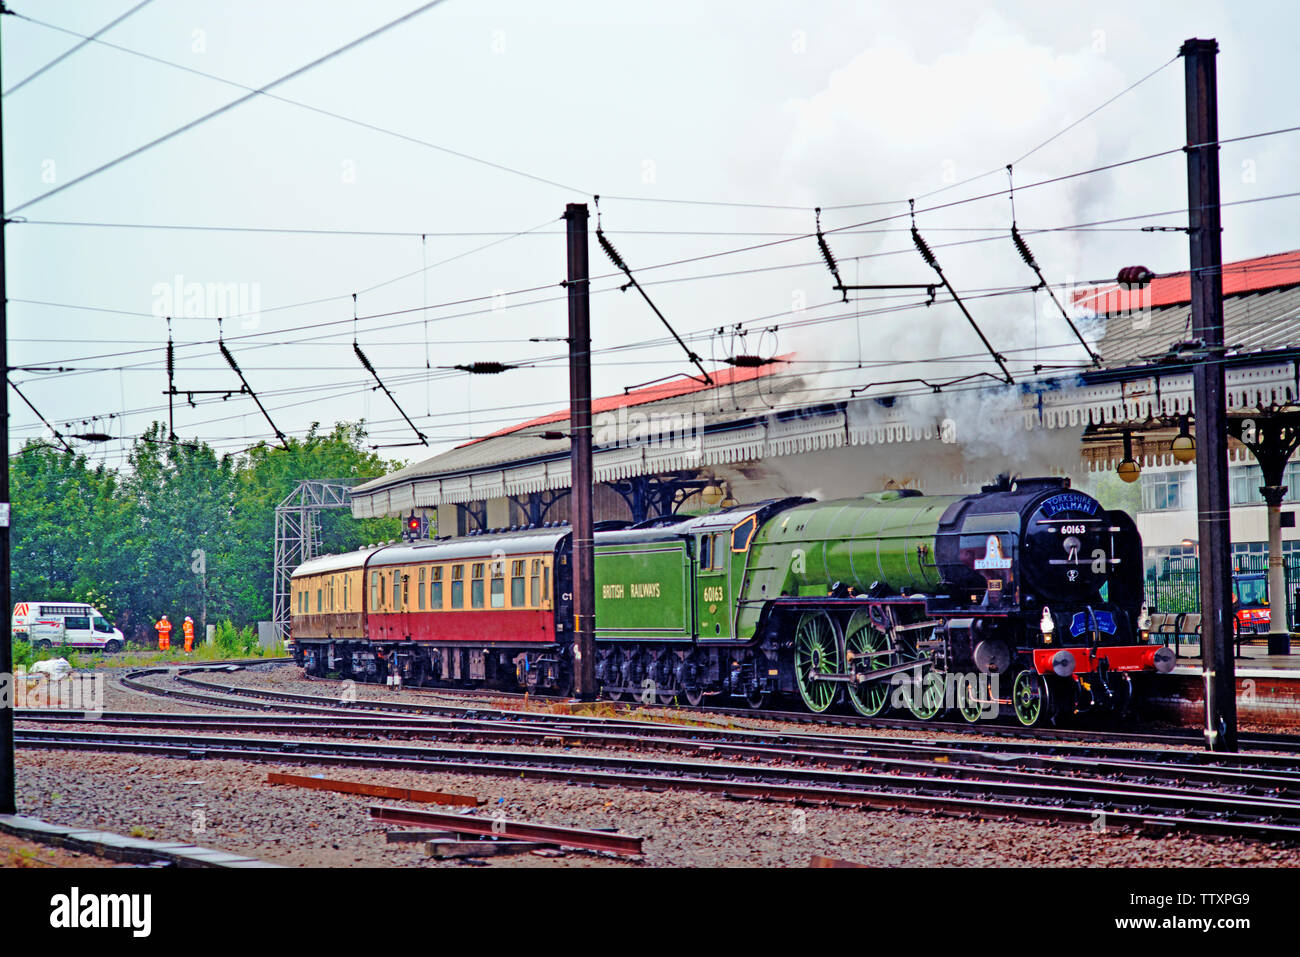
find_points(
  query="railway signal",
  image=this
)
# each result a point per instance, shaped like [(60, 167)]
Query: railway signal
[(417, 527)]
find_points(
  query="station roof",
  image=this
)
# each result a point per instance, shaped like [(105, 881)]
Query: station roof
[(686, 423), (1261, 311)]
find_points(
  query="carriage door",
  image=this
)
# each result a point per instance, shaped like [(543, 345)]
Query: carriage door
[(713, 585)]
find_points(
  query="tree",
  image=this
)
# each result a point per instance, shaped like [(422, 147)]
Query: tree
[(179, 530), (70, 525), (270, 473), (186, 556)]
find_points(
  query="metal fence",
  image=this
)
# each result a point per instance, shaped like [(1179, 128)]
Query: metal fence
[(1178, 589)]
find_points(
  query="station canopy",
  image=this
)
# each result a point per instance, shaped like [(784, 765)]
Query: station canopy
[(1143, 386)]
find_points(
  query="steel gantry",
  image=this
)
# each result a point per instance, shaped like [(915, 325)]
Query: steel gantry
[(297, 536)]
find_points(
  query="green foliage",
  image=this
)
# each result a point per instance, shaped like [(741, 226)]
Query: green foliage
[(180, 530), (232, 642), (1113, 492), (24, 654)]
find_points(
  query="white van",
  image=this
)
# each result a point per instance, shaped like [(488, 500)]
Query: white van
[(50, 624)]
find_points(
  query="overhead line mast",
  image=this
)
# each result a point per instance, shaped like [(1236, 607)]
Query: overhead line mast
[(7, 777)]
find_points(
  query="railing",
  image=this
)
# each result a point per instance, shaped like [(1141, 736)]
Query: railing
[(1178, 590)]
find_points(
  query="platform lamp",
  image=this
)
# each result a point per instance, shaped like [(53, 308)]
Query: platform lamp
[(1128, 470), (729, 499), (1184, 446), (712, 494)]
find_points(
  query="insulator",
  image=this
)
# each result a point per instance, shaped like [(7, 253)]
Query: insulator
[(610, 251), (364, 361), (924, 250), (826, 254), (484, 368), (1023, 249), (1135, 276), (171, 361), (747, 361), (229, 358)]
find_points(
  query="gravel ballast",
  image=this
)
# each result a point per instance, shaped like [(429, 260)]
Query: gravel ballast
[(226, 804)]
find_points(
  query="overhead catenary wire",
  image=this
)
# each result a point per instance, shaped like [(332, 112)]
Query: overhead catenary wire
[(794, 237), (306, 106), (285, 78), (73, 49)]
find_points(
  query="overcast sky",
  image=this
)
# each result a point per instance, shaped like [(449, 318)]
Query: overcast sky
[(771, 104)]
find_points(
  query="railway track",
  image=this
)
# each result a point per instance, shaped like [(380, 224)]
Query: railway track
[(948, 781), (1272, 775), (1248, 742)]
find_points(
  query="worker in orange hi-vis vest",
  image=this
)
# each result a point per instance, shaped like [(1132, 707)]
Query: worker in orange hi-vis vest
[(164, 634), (187, 628)]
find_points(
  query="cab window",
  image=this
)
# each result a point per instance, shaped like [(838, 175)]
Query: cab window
[(706, 551), (743, 534), (102, 625), (719, 551)]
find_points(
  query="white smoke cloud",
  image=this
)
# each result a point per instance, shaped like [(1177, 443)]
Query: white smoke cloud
[(899, 120)]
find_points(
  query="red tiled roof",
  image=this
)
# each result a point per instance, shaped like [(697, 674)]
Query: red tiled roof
[(1249, 275), (651, 393)]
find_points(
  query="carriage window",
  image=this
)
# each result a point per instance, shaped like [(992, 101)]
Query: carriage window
[(435, 589), (320, 603), (498, 590), (476, 586), (535, 583), (518, 597), (457, 586), (374, 590), (420, 590), (397, 590), (546, 582)]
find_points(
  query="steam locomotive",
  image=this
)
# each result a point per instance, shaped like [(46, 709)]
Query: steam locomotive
[(1026, 595)]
